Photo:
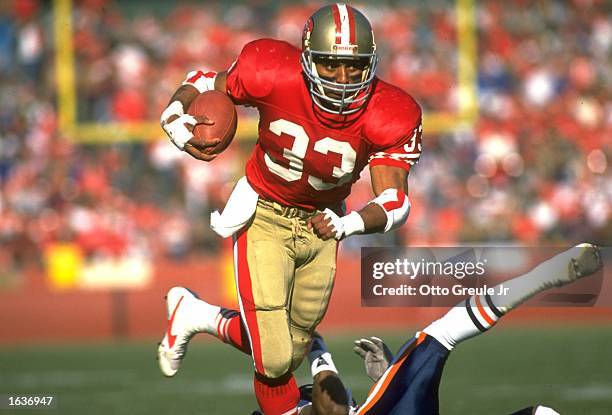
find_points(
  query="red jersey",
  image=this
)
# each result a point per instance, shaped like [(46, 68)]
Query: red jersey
[(305, 157)]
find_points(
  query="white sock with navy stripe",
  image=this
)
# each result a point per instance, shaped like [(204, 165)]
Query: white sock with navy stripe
[(479, 313), (475, 315)]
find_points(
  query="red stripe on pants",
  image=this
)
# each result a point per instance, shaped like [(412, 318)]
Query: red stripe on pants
[(245, 292)]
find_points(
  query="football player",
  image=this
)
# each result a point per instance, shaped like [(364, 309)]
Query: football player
[(407, 383), (324, 117)]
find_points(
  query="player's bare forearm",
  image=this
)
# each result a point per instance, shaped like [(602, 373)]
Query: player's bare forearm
[(374, 218), (221, 82), (388, 177)]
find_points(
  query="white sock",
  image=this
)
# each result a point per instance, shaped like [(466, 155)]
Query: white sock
[(323, 363), (543, 410), (204, 317), (465, 320), (479, 313), (551, 273)]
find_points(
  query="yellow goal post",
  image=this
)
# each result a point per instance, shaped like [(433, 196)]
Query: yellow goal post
[(97, 132)]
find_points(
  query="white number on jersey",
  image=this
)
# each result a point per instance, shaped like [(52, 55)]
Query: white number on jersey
[(297, 152)]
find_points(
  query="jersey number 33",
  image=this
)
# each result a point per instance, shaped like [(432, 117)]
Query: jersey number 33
[(295, 155)]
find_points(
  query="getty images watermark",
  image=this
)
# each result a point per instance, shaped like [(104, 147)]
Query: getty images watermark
[(442, 277)]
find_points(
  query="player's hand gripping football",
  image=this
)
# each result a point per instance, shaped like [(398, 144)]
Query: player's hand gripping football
[(179, 128), (375, 354)]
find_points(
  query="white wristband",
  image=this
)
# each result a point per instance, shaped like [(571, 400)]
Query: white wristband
[(352, 223), (175, 108), (323, 363), (178, 133), (345, 225)]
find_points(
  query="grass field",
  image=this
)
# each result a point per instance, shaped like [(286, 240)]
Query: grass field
[(569, 369)]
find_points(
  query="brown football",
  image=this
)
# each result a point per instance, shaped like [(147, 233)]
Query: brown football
[(219, 108)]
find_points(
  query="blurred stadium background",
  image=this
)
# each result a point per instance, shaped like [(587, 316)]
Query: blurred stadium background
[(100, 215)]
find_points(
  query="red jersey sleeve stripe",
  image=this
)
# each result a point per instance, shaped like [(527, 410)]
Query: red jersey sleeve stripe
[(390, 162)]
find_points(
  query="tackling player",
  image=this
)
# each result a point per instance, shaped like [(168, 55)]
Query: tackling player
[(324, 117), (407, 383)]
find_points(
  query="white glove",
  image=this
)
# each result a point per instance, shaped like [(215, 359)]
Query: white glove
[(178, 133), (345, 225), (375, 354)]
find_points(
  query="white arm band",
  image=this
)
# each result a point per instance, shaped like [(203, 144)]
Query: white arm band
[(345, 225), (394, 202), (323, 363), (175, 108), (202, 81), (396, 205), (178, 133)]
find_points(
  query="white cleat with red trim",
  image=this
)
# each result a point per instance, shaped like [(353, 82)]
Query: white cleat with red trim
[(187, 316)]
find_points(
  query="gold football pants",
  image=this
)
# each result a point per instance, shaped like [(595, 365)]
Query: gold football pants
[(284, 277)]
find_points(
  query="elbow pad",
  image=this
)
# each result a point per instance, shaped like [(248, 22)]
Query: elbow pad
[(202, 81), (396, 205)]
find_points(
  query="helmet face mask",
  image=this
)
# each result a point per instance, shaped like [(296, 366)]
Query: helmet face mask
[(336, 35)]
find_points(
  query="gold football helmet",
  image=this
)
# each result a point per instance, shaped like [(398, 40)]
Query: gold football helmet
[(338, 32)]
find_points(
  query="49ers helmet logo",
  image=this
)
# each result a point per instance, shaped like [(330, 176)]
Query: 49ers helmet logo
[(307, 30)]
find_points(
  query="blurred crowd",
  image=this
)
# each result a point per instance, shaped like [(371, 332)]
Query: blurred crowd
[(534, 169)]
